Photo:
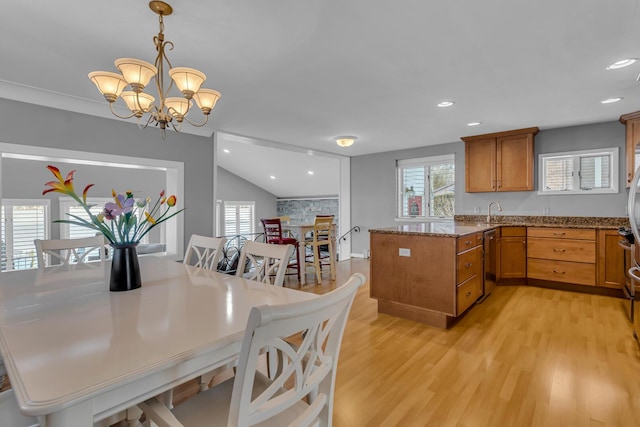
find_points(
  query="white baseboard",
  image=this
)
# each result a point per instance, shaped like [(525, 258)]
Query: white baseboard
[(358, 256)]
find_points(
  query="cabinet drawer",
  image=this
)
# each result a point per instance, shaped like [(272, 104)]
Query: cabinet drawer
[(468, 293), (469, 241), (514, 231), (561, 249), (562, 271), (469, 264), (562, 233)]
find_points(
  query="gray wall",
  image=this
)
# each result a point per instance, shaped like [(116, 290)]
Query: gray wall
[(373, 182), (233, 188), (28, 124)]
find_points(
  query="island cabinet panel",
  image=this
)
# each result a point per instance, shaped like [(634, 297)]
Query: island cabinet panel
[(424, 277)]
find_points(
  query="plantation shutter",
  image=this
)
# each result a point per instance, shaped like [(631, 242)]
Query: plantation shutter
[(238, 218), (22, 222)]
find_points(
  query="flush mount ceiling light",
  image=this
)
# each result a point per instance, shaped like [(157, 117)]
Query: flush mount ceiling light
[(135, 73), (446, 104), (622, 63), (474, 123), (610, 100), (345, 140)]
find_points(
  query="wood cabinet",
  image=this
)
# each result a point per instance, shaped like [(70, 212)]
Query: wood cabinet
[(562, 255), (611, 260), (632, 146), (512, 257), (502, 161), (427, 278)]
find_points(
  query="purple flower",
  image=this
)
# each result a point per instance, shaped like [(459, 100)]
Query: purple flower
[(122, 205)]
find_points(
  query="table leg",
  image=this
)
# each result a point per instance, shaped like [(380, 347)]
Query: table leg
[(303, 259)]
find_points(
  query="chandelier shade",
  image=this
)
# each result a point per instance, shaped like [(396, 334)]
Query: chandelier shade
[(136, 72), (162, 110), (109, 84), (187, 80)]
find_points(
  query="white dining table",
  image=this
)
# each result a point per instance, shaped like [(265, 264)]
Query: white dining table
[(77, 353), (299, 230)]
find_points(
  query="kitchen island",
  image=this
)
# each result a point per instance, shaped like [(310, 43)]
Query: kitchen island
[(429, 272)]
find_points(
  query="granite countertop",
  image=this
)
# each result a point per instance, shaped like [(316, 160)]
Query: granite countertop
[(469, 224)]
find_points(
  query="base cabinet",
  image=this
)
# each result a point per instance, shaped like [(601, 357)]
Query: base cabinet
[(512, 255), (611, 260)]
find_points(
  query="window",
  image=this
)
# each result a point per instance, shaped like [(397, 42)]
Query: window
[(426, 187), (238, 218), (579, 172), (22, 221)]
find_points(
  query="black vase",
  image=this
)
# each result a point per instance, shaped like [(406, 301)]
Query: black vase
[(125, 271)]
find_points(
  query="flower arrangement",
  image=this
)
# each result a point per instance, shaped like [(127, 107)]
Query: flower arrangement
[(123, 221)]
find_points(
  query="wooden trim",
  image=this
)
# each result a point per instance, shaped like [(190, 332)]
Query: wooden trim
[(629, 116), (533, 131), (417, 314)]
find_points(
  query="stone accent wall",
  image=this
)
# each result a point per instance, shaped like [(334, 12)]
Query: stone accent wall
[(305, 210)]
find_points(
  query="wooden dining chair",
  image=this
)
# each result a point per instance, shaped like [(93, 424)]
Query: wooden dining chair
[(204, 252), (299, 393), (69, 251), (273, 234), (322, 236), (266, 262)]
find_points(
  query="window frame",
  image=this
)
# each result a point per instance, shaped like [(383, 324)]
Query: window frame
[(425, 162), (575, 156)]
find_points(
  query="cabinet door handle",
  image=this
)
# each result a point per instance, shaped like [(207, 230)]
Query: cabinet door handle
[(559, 234), (467, 265), (469, 293), (499, 183), (493, 184), (558, 272), (629, 177), (467, 242), (559, 250)]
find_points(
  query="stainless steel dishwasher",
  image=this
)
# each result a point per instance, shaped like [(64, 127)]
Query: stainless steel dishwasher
[(490, 262)]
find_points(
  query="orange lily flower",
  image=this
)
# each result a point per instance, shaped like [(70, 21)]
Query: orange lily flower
[(171, 201), (84, 193)]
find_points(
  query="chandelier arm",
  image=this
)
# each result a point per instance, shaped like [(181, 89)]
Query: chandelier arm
[(206, 119), (118, 115)]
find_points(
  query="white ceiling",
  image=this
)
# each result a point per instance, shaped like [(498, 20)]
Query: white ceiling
[(301, 72)]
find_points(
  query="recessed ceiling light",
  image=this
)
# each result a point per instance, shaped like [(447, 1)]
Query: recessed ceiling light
[(622, 63), (473, 123), (272, 177), (446, 104), (610, 100), (310, 172), (226, 150)]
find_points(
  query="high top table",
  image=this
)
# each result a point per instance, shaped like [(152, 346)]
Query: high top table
[(77, 353), (300, 229)]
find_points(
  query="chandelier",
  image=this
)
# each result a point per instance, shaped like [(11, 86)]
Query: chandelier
[(135, 73)]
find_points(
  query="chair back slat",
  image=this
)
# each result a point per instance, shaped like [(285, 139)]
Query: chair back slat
[(272, 230), (204, 252), (69, 251), (267, 262)]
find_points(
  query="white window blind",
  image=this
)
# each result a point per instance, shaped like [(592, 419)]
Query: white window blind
[(238, 218), (426, 187), (23, 221)]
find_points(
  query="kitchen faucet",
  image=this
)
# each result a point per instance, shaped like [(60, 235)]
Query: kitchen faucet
[(489, 210)]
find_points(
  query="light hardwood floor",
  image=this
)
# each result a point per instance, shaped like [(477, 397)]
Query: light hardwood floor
[(526, 356)]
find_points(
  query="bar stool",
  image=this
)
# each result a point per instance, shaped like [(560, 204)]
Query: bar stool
[(273, 234), (322, 236)]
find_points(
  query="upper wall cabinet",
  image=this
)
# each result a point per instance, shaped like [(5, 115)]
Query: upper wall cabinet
[(632, 124), (501, 161)]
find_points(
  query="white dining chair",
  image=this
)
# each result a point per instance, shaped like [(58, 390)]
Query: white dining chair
[(204, 252), (299, 393), (10, 414), (267, 262), (69, 251)]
